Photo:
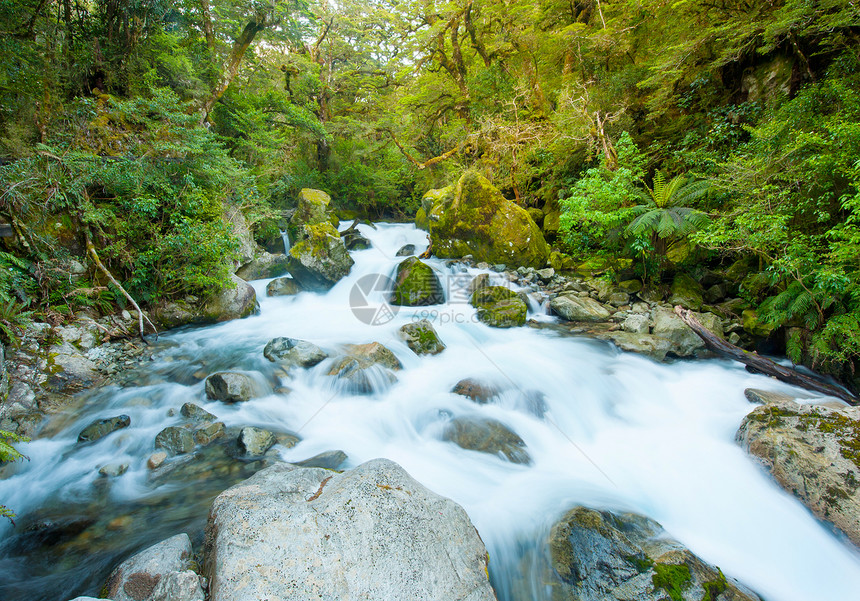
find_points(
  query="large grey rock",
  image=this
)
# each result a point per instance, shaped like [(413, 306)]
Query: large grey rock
[(264, 266), (579, 308), (366, 368), (230, 387), (685, 341), (645, 344), (320, 260), (686, 292), (812, 451), (102, 427), (254, 442), (487, 436), (283, 287), (369, 533), (636, 324), (290, 351), (69, 370), (238, 299), (159, 573), (175, 440), (603, 556), (196, 413), (421, 337)]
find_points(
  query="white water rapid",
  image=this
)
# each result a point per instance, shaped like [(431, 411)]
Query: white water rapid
[(620, 432)]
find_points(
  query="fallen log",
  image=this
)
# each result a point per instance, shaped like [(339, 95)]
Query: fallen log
[(762, 364)]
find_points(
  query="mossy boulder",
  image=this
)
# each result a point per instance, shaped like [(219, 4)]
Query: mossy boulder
[(262, 267), (102, 427), (236, 300), (175, 440), (499, 307), (313, 208), (754, 326), (487, 436), (477, 220), (283, 287), (422, 338), (416, 285), (686, 292), (320, 260)]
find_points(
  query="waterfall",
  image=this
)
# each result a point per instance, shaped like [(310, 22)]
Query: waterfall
[(285, 236), (619, 432)]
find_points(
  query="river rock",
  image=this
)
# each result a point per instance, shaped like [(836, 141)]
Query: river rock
[(579, 308), (421, 337), (159, 573), (313, 208), (669, 326), (329, 460), (320, 260), (156, 460), (636, 324), (473, 218), (600, 555), (369, 533), (416, 285), (209, 432), (230, 387), (686, 292), (290, 351), (499, 307), (813, 452), (102, 427), (283, 287), (477, 390), (69, 370), (175, 440), (254, 442), (262, 267), (366, 368), (238, 299), (643, 343), (487, 435), (196, 413), (406, 250), (354, 240), (113, 470)]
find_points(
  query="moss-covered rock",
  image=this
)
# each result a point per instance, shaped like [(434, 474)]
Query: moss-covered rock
[(755, 326), (422, 338), (686, 292), (499, 307), (262, 267), (416, 285), (238, 299), (477, 220), (320, 260), (313, 208)]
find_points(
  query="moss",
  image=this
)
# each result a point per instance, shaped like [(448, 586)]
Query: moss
[(672, 578), (416, 285), (714, 588), (641, 562), (499, 307)]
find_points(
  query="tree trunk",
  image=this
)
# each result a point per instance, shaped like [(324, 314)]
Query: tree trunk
[(208, 32)]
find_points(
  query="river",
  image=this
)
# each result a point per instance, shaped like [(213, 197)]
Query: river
[(619, 431)]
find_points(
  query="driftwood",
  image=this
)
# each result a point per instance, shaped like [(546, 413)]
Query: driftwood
[(762, 364)]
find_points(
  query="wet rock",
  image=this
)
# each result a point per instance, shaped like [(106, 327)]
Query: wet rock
[(686, 292), (546, 274), (354, 240), (230, 387), (487, 436), (320, 260), (473, 218), (69, 370), (113, 470), (601, 555), (254, 442), (329, 460), (207, 433), (238, 299), (366, 368), (262, 267), (158, 573), (422, 338), (102, 427), (482, 280), (812, 452), (406, 250), (282, 287), (643, 343), (636, 324), (579, 308), (369, 533), (416, 285), (290, 351), (196, 413), (156, 460), (669, 326), (175, 440), (499, 307), (477, 390)]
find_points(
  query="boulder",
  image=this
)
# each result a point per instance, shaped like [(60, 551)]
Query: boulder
[(499, 307), (487, 435), (636, 324), (477, 390), (474, 218), (416, 285), (407, 250), (175, 440), (812, 451), (69, 370), (669, 326), (320, 260), (602, 555), (643, 343), (290, 351), (230, 387), (755, 326), (262, 267), (113, 470), (579, 308), (283, 287), (686, 292), (102, 427), (159, 573), (366, 368), (238, 299), (254, 442), (329, 460), (313, 208), (421, 337), (354, 240), (196, 413), (207, 432), (369, 533)]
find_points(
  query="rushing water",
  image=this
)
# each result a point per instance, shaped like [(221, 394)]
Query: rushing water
[(619, 432)]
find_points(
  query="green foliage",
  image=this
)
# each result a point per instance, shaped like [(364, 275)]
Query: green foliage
[(672, 578), (9, 453)]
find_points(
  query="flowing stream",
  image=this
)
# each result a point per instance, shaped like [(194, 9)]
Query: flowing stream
[(619, 431)]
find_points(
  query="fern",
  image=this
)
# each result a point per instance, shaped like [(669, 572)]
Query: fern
[(9, 453)]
